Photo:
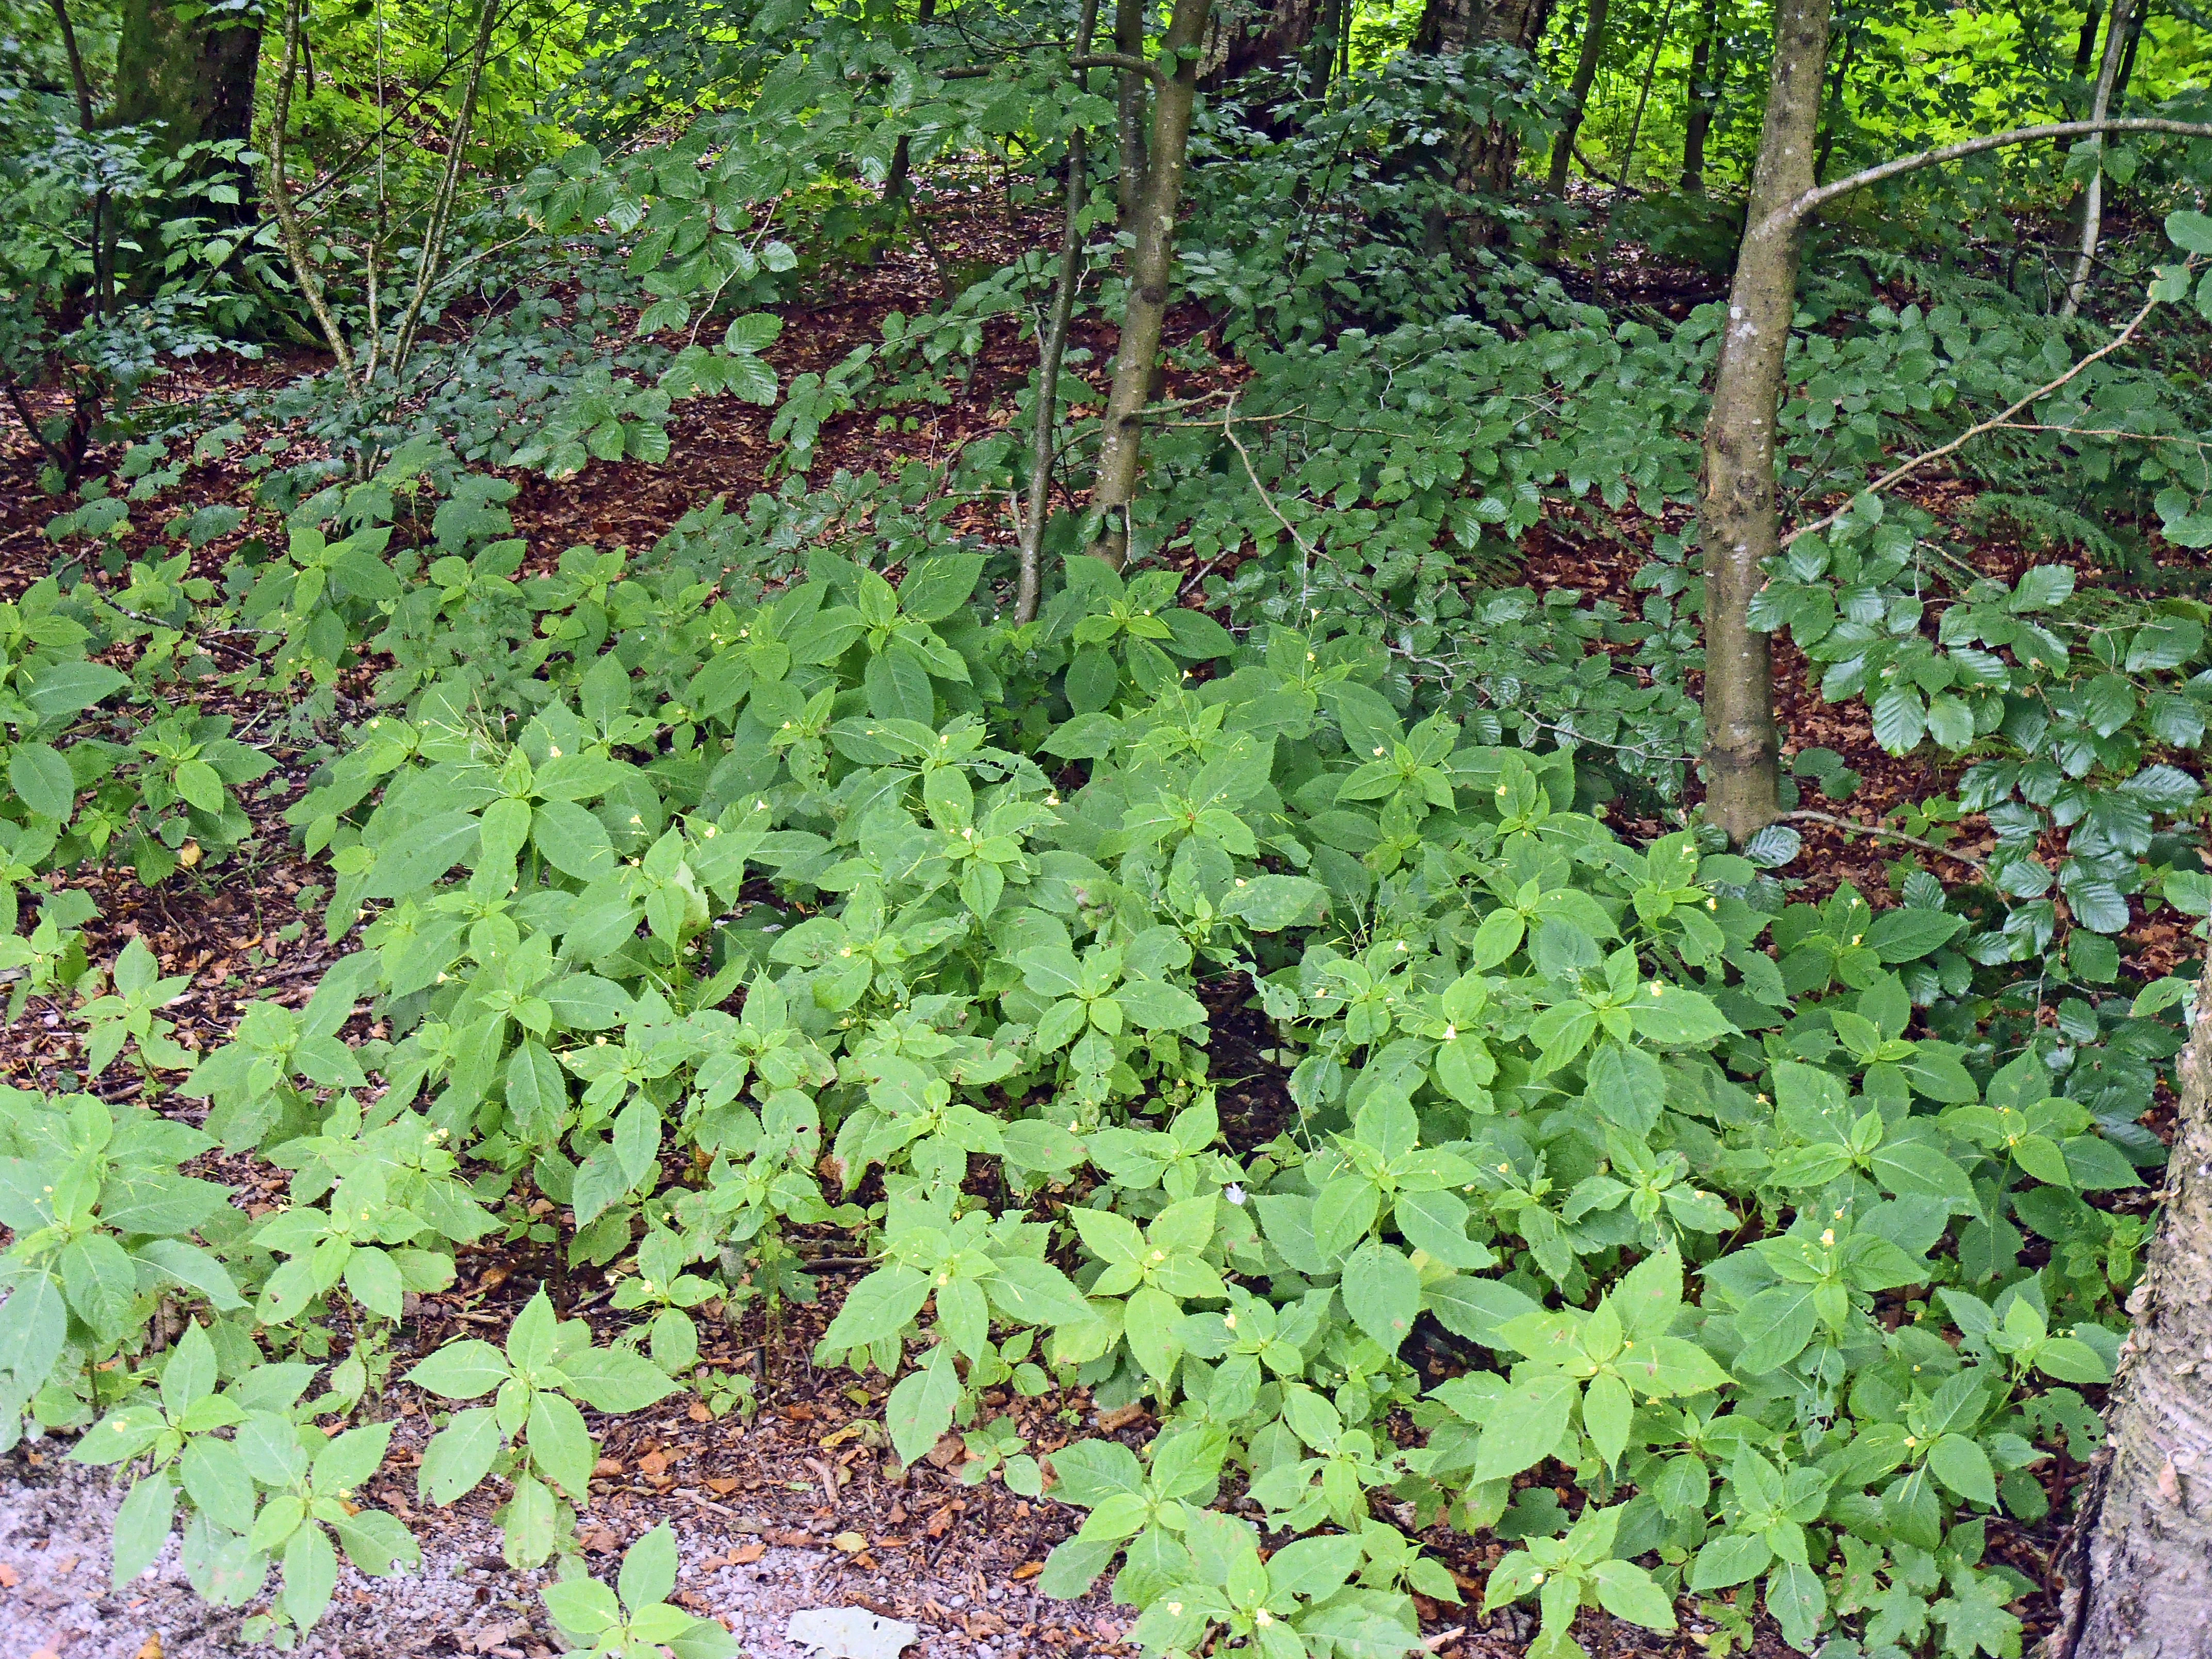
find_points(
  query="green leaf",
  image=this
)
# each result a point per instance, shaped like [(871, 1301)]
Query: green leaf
[(581, 1607), (560, 1444), (42, 781), (573, 839), (1776, 1325), (1152, 1323), (410, 862), (460, 1455), (1625, 1591), (1798, 1601), (311, 1573), (142, 1525), (919, 1409), (1525, 1426), (883, 1304), (648, 1569), (462, 1370), (1960, 1464), (1732, 1558), (69, 688), (615, 1379), (1382, 1292), (1908, 933), (1267, 904)]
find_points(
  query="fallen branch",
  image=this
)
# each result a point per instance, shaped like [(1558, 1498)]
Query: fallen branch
[(1856, 828)]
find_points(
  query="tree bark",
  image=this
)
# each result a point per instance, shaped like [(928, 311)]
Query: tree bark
[(2085, 44), (1151, 264), (1488, 154), (1562, 142), (1738, 520), (1703, 97), (2139, 1584), (194, 78), (2092, 197), (1244, 42), (1129, 17)]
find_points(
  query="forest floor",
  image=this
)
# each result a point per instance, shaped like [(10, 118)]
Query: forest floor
[(801, 1504)]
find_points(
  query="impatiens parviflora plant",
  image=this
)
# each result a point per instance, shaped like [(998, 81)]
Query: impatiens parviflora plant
[(635, 1620), (708, 921), (531, 1435)]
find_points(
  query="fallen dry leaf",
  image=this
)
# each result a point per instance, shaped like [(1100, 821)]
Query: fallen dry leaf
[(151, 1647), (949, 1449), (851, 1542), (608, 1467), (1027, 1570), (722, 1485), (1119, 1418), (699, 1414), (9, 1579), (745, 1554), (653, 1463)]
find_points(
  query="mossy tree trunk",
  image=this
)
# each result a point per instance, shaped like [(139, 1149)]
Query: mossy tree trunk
[(192, 69)]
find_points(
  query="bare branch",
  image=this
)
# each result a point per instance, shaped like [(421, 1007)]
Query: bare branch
[(1814, 200), (1904, 468)]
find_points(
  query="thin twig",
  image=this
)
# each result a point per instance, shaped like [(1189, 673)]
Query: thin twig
[(1856, 828), (1972, 432)]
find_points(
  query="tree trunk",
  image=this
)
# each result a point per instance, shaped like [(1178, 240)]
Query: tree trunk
[(1563, 142), (1738, 520), (1702, 98), (1151, 264), (1488, 154), (193, 77), (2092, 197), (1129, 120), (1245, 41), (2140, 1583), (2085, 44)]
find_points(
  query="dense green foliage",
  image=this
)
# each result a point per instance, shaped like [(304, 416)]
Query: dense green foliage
[(774, 884)]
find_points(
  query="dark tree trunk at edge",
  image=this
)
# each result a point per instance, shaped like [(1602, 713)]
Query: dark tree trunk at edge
[(2139, 1578)]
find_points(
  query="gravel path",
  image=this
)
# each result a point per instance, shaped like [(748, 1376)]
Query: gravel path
[(56, 1603)]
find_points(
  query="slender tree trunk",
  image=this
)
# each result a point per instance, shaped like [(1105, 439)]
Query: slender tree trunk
[(1738, 521), (1643, 96), (2092, 198), (1563, 142), (2127, 63), (1052, 347), (897, 177), (1833, 109), (1129, 17), (2085, 44), (2139, 1582), (1703, 97), (1151, 264)]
